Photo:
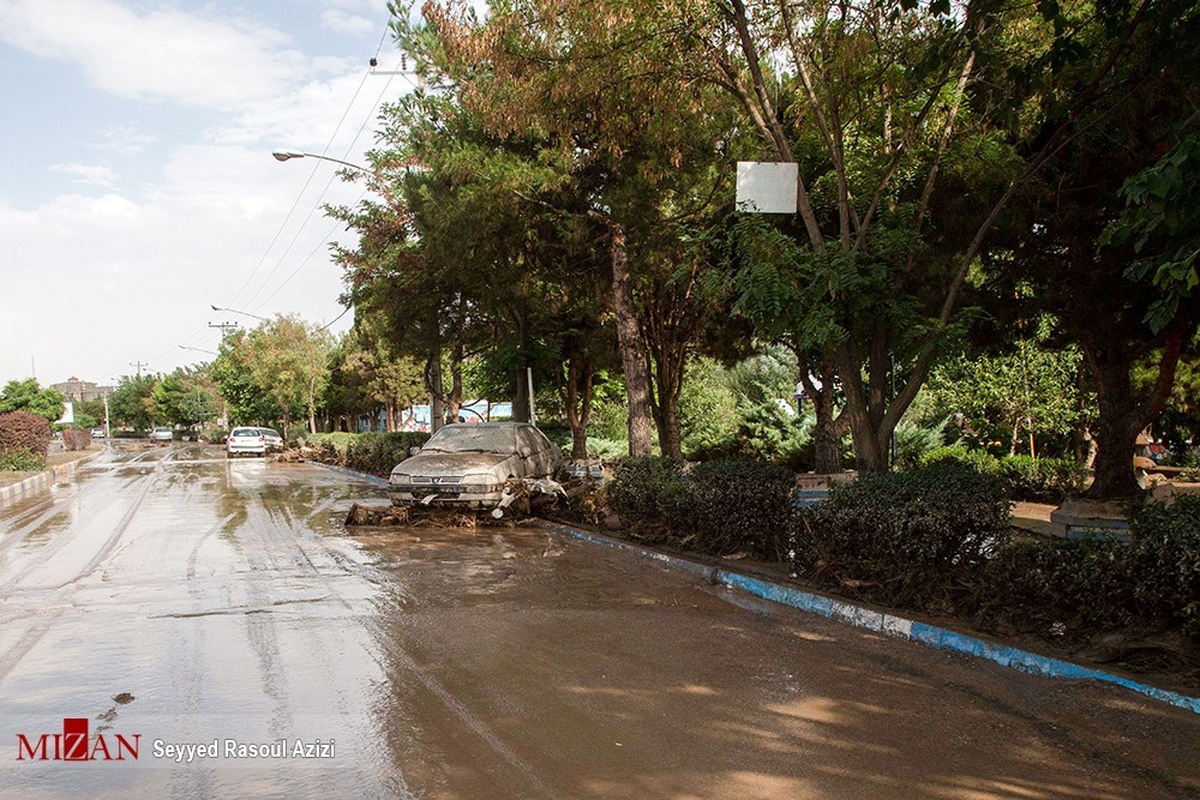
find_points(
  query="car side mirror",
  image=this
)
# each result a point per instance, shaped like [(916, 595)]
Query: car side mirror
[(412, 451)]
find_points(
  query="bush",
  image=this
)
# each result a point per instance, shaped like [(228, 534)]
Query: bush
[(741, 505), (377, 453), (76, 439), (909, 539), (1042, 480), (1039, 480), (21, 461), (1165, 563), (1097, 586), (1030, 585), (21, 430), (649, 494)]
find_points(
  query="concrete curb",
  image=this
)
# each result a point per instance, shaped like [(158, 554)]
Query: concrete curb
[(889, 624), (43, 480)]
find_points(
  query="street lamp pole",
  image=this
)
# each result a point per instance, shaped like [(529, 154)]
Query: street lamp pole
[(243, 313), (285, 155)]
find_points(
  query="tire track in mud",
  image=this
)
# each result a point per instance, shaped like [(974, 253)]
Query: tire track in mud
[(401, 659), (47, 619)]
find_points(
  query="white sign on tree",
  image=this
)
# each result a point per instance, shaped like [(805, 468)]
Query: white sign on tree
[(767, 187)]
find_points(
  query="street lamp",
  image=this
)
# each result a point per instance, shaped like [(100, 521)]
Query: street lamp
[(285, 155), (243, 313)]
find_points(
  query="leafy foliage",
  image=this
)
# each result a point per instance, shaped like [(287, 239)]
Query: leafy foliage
[(27, 395), (650, 495), (371, 453), (1092, 586), (741, 506), (909, 539), (24, 431), (1039, 480), (1162, 224)]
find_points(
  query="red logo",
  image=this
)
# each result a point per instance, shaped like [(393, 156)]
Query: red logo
[(74, 744)]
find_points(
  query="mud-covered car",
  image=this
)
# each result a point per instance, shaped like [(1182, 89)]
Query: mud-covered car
[(468, 465), (274, 439)]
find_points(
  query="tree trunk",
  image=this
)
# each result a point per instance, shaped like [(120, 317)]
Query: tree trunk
[(433, 370), (1117, 427), (669, 364), (631, 345), (827, 439), (579, 403), (456, 382)]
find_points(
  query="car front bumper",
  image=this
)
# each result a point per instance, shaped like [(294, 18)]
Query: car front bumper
[(241, 449), (459, 496)]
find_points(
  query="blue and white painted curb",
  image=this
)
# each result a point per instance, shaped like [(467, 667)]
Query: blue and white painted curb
[(40, 482), (890, 624)]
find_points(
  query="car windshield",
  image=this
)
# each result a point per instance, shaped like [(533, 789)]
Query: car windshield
[(245, 432), (473, 439)]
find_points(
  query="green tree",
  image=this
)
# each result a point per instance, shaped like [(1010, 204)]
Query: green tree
[(1117, 91), (132, 402), (288, 361), (28, 395)]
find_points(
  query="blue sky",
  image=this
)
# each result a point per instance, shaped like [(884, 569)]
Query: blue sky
[(137, 186)]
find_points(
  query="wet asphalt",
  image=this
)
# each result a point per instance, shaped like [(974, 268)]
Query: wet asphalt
[(217, 618)]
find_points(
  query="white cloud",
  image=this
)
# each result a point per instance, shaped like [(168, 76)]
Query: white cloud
[(340, 21), (124, 139), (163, 53), (92, 174)]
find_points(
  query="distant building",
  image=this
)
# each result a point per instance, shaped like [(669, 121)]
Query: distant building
[(81, 391)]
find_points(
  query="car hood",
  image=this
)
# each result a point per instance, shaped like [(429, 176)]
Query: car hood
[(436, 465)]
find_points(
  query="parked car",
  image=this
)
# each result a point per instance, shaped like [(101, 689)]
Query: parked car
[(274, 440), (244, 441), (98, 433), (466, 465), (161, 434)]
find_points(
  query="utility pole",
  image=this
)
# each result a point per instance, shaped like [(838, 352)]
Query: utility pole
[(138, 366), (225, 328)]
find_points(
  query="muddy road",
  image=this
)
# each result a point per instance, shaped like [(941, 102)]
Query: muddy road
[(219, 633)]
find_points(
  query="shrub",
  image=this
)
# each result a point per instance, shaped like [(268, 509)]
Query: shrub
[(909, 539), (377, 453), (1164, 555), (1045, 480), (741, 505), (1030, 585), (649, 494), (21, 461), (76, 439), (1097, 586), (21, 430), (1041, 480)]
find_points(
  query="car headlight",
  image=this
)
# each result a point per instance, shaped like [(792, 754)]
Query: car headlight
[(401, 479)]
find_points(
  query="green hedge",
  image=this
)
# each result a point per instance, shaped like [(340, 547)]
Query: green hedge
[(742, 506), (717, 508), (650, 495), (908, 539), (1039, 480), (21, 461), (372, 453), (1089, 587)]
